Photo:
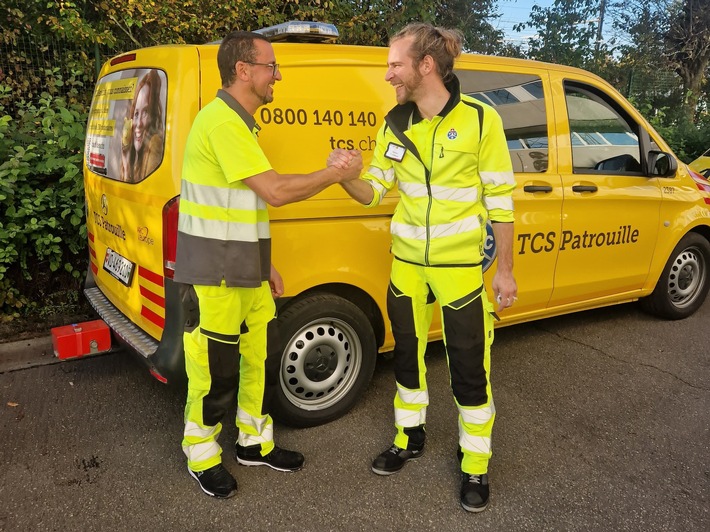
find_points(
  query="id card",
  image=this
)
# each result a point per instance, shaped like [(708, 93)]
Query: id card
[(395, 152)]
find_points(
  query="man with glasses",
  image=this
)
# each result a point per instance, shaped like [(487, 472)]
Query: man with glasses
[(224, 252)]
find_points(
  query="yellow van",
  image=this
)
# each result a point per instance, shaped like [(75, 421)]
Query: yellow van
[(605, 213), (702, 165)]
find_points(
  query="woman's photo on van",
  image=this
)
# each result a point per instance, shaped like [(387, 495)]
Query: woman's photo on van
[(142, 133)]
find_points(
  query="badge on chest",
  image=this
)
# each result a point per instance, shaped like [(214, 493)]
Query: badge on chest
[(395, 152)]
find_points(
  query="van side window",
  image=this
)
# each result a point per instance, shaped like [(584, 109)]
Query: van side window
[(125, 137), (520, 101), (604, 138)]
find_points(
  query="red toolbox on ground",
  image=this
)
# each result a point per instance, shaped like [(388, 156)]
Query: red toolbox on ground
[(80, 339)]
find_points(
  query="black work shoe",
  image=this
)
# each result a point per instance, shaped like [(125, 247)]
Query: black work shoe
[(474, 492), (278, 459), (394, 458), (216, 481)]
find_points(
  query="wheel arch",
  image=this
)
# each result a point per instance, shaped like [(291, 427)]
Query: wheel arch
[(703, 230), (676, 294), (653, 278), (356, 295)]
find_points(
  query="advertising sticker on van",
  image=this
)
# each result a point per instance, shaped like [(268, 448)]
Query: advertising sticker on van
[(125, 136)]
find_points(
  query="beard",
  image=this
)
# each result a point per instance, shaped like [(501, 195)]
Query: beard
[(265, 96), (409, 88)]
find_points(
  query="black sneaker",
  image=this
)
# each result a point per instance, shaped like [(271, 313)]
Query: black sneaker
[(216, 481), (394, 458), (278, 459), (474, 492)]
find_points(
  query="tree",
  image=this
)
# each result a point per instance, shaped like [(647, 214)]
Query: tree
[(665, 78), (688, 47), (649, 78), (373, 22), (472, 18), (567, 33)]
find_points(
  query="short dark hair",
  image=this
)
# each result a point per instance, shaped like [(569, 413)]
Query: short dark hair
[(237, 46)]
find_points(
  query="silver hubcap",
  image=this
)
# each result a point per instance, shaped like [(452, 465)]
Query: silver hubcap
[(320, 364), (686, 277)]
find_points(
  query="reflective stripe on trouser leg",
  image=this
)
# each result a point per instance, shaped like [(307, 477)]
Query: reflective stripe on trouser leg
[(213, 371), (475, 429), (468, 335), (409, 305), (257, 374), (212, 366)]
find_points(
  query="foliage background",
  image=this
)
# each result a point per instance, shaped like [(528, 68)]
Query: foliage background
[(51, 51)]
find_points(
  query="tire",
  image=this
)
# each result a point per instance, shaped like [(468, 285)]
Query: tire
[(329, 355), (684, 283)]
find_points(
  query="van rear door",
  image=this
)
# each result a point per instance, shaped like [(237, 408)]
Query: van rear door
[(142, 109)]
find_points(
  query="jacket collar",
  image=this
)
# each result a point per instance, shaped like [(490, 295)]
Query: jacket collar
[(235, 106), (400, 115)]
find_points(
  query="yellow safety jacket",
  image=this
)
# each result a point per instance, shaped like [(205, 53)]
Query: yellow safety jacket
[(453, 174), (223, 227)]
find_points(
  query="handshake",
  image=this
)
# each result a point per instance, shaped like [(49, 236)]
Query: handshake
[(348, 162)]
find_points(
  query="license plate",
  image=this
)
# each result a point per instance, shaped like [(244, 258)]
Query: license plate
[(118, 266)]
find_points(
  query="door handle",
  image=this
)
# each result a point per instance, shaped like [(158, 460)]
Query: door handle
[(537, 188), (584, 188)]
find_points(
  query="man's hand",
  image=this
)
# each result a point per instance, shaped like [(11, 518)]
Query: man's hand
[(276, 283), (339, 158), (349, 161), (505, 289)]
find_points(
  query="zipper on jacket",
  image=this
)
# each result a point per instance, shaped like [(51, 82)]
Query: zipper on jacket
[(427, 177)]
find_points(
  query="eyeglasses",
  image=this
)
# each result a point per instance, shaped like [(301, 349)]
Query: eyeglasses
[(274, 66)]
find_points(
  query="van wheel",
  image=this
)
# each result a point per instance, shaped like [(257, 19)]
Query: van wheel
[(328, 359), (684, 283)]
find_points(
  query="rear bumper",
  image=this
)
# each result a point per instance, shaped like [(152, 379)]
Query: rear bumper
[(126, 331), (165, 358)]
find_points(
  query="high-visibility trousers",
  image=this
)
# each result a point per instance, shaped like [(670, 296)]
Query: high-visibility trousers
[(233, 321), (467, 319)]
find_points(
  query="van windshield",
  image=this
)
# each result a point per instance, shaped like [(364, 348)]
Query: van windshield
[(125, 137)]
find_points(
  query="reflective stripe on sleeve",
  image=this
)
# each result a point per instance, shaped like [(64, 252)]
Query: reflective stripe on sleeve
[(377, 173), (498, 178), (504, 203), (378, 187)]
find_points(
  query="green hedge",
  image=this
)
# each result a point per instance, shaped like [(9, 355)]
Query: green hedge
[(43, 250)]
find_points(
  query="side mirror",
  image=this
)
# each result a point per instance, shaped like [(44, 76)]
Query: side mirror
[(661, 164)]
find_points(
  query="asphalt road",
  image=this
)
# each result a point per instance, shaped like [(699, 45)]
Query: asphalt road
[(603, 424)]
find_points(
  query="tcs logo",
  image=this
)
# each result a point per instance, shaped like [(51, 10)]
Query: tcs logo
[(489, 247)]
